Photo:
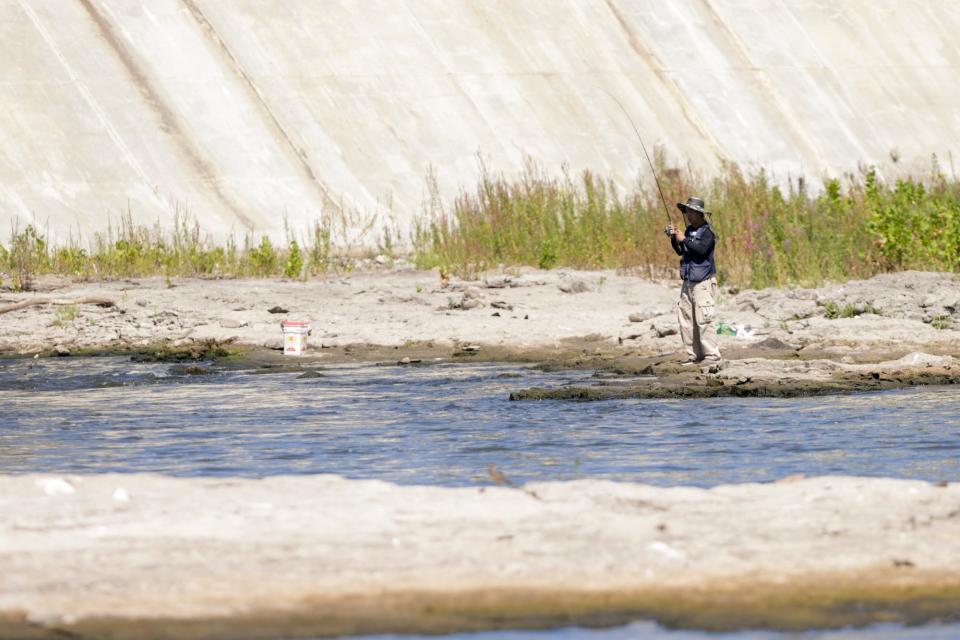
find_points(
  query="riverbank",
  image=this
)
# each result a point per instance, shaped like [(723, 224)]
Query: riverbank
[(892, 330), (133, 555), (320, 555)]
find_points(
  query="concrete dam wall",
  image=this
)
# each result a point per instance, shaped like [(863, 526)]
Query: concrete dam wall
[(246, 113)]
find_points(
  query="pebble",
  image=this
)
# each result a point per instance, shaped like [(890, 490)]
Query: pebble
[(663, 328), (641, 316), (470, 303), (573, 285)]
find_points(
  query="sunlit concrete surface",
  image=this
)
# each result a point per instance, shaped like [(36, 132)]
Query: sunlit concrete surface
[(249, 112)]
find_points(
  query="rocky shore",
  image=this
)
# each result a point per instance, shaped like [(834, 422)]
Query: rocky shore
[(134, 556), (892, 330), (137, 556)]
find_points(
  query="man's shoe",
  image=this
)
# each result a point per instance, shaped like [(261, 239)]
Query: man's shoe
[(690, 363)]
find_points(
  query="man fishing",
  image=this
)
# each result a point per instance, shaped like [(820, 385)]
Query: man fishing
[(695, 246)]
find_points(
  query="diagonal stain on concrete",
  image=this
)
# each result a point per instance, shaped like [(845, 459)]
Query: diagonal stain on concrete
[(297, 154), (777, 106), (92, 103), (652, 63), (168, 121), (848, 101)]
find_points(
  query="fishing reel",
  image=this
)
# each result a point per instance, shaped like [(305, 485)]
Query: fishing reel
[(669, 231)]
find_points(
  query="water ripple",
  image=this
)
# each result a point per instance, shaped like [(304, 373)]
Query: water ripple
[(445, 424)]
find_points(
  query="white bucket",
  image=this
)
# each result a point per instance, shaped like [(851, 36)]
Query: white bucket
[(294, 337)]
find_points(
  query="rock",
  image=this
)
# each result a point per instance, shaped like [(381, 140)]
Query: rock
[(776, 343), (664, 328), (573, 285), (232, 323), (500, 304), (472, 299), (470, 303), (641, 316), (929, 301), (308, 375), (467, 350), (499, 282), (716, 367), (273, 343), (918, 359), (380, 259), (404, 360), (191, 370), (277, 309), (61, 351)]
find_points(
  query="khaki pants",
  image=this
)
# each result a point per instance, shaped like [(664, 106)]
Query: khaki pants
[(695, 312)]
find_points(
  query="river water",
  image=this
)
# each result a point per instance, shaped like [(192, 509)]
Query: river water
[(444, 424)]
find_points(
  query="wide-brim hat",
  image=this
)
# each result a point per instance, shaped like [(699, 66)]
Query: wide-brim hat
[(693, 204)]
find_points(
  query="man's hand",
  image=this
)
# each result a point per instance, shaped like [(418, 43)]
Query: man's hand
[(676, 233)]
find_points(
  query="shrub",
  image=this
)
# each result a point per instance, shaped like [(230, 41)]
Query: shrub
[(293, 267)]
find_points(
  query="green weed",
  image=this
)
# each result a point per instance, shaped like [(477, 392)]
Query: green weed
[(263, 258), (941, 322), (769, 235), (27, 257), (831, 310), (293, 266), (65, 315)]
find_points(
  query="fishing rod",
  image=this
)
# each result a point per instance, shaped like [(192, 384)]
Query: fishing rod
[(647, 155)]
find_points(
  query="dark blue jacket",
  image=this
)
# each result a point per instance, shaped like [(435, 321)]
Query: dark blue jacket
[(696, 253)]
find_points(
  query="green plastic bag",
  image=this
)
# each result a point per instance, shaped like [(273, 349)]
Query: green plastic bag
[(724, 329)]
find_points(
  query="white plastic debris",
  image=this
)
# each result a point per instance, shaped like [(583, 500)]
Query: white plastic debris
[(666, 550), (56, 487)]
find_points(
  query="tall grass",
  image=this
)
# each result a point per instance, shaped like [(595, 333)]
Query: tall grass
[(182, 250), (768, 235)]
